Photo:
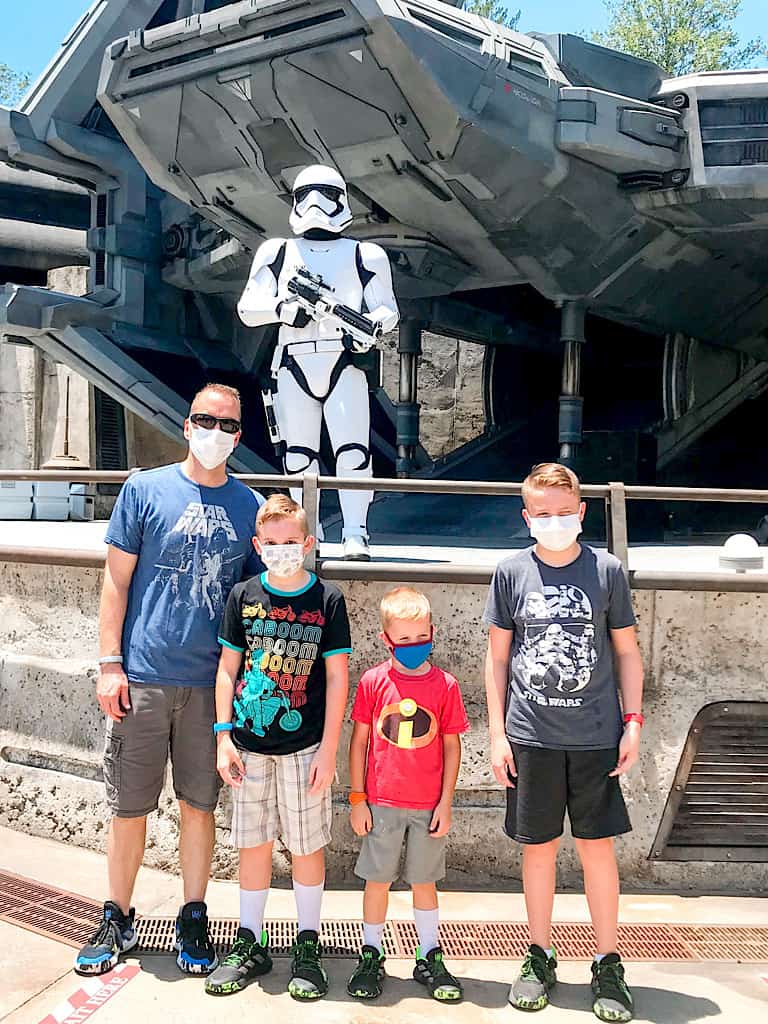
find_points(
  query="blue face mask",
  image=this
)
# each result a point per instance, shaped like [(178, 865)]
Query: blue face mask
[(411, 656)]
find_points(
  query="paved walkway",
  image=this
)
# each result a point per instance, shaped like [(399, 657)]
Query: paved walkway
[(38, 981)]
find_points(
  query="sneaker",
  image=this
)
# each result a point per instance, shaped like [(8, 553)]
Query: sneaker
[(308, 979), (612, 998), (115, 935), (196, 952), (432, 972), (356, 549), (537, 976), (366, 980), (246, 960)]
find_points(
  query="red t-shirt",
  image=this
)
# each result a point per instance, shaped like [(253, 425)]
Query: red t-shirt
[(408, 716)]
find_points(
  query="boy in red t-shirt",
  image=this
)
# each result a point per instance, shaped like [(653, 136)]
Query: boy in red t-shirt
[(404, 758)]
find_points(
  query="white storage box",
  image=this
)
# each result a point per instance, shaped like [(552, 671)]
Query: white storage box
[(80, 503), (51, 501), (15, 499)]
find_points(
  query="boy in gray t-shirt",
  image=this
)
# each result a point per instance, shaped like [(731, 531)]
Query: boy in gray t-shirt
[(561, 644)]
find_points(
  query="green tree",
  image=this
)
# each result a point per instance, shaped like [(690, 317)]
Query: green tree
[(681, 36), (12, 86), (494, 10)]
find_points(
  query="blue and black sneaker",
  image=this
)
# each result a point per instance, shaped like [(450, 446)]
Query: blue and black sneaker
[(115, 935), (196, 952)]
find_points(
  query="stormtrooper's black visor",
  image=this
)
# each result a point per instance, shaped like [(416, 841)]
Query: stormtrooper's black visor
[(329, 191)]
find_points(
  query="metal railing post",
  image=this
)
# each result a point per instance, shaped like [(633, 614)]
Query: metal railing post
[(616, 521), (311, 505)]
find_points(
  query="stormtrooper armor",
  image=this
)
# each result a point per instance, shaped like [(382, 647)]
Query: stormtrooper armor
[(313, 367)]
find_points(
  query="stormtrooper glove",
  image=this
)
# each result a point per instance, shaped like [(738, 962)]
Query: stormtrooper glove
[(291, 313)]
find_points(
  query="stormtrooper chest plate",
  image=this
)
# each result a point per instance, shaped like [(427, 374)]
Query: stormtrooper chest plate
[(334, 261)]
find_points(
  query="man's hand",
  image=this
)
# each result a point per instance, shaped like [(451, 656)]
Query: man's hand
[(441, 820), (292, 314), (112, 691), (361, 819), (503, 761), (229, 764), (322, 771), (629, 748)]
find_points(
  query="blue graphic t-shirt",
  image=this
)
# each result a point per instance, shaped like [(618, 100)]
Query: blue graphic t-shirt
[(285, 637), (194, 543)]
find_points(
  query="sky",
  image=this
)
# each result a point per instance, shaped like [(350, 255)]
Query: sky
[(32, 33)]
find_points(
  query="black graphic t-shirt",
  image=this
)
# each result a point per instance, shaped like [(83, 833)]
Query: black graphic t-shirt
[(279, 704), (563, 691)]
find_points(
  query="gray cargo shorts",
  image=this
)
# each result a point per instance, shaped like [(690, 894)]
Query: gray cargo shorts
[(162, 720), (379, 858)]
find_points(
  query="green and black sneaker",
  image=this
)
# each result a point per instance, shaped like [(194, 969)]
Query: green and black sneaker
[(366, 980), (248, 959), (612, 999), (308, 979), (537, 976), (430, 970)]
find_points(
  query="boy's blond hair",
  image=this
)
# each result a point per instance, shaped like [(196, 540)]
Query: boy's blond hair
[(550, 474), (280, 506), (404, 603)]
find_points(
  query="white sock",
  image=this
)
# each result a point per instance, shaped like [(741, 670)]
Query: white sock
[(426, 926), (599, 957), (372, 934), (309, 899), (550, 952), (252, 904)]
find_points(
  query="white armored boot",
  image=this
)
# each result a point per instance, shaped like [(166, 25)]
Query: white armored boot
[(356, 549)]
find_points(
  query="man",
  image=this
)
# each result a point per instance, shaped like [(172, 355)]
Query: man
[(314, 369), (178, 540)]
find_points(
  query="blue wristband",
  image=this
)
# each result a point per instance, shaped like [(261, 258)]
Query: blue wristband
[(222, 727)]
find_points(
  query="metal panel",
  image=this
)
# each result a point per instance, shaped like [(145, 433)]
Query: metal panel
[(717, 808)]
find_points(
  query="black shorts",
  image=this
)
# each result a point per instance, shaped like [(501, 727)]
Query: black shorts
[(548, 781)]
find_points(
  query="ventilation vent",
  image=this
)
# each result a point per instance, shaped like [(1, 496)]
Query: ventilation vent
[(111, 450), (734, 133), (447, 29), (717, 809)]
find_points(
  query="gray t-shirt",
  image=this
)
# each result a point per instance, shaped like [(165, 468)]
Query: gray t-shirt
[(563, 691)]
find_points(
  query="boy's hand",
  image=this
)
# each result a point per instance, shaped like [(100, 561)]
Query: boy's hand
[(629, 748), (229, 764), (112, 691), (361, 819), (503, 761), (441, 821), (322, 771)]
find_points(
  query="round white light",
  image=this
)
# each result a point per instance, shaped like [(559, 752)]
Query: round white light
[(741, 544), (741, 552)]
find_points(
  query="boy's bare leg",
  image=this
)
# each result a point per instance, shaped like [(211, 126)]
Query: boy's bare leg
[(309, 870), (375, 902), (256, 867), (539, 876), (125, 850), (601, 884), (195, 850), (424, 896)]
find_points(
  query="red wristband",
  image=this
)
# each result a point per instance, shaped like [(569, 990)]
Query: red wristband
[(634, 716)]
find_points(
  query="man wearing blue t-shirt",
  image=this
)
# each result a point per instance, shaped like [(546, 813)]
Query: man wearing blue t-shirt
[(178, 541)]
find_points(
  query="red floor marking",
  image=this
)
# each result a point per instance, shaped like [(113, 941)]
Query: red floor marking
[(91, 996)]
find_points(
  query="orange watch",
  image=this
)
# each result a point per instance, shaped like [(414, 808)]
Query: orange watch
[(357, 798)]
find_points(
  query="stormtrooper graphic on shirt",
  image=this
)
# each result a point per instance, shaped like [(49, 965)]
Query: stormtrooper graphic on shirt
[(558, 649)]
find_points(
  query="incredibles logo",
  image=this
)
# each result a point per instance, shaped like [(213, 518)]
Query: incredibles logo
[(406, 725)]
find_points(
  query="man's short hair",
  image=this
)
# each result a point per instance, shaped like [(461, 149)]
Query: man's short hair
[(220, 389), (550, 474), (404, 603), (280, 506)]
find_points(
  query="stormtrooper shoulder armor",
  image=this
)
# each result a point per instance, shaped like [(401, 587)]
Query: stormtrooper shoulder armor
[(258, 303)]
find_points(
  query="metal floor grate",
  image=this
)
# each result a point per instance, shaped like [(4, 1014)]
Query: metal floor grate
[(69, 918)]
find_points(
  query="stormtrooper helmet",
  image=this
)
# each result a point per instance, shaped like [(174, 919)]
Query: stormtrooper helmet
[(319, 201)]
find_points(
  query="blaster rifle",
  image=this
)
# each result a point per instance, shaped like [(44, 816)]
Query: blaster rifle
[(318, 300)]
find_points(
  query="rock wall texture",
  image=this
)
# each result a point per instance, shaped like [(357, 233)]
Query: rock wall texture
[(697, 647)]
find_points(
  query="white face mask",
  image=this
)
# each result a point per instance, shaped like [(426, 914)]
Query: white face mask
[(210, 447), (556, 533), (283, 559)]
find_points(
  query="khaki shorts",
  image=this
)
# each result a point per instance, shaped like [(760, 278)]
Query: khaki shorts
[(274, 801), (162, 720), (379, 859)]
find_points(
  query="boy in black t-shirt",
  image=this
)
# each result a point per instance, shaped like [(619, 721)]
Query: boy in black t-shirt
[(281, 693)]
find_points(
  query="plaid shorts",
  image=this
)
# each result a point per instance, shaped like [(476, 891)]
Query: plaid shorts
[(274, 801)]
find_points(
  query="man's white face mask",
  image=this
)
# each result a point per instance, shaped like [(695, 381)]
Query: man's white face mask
[(212, 447), (556, 533), (283, 559)]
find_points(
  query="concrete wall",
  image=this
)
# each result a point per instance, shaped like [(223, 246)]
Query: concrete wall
[(697, 647)]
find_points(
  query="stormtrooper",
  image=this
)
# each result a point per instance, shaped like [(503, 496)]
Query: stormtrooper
[(314, 373)]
